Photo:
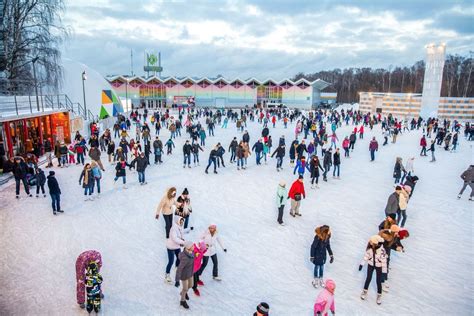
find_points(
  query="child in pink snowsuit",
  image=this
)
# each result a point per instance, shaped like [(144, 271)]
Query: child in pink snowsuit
[(71, 153), (81, 265), (325, 300), (198, 255)]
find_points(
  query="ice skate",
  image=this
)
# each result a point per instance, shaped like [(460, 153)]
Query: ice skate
[(125, 186), (379, 299), (168, 278), (459, 196), (184, 304), (60, 211), (200, 283), (196, 292), (363, 295), (315, 283), (321, 283), (312, 186), (471, 199), (385, 287), (216, 278), (37, 195), (44, 195), (54, 213)]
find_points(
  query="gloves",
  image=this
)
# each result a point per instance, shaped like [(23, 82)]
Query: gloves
[(360, 267), (176, 284), (225, 249), (331, 260)]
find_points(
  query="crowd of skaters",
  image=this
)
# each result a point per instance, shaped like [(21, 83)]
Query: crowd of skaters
[(312, 130)]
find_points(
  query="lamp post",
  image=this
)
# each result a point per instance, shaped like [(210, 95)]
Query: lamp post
[(33, 61), (84, 78)]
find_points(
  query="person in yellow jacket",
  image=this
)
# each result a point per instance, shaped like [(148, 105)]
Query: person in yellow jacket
[(166, 207)]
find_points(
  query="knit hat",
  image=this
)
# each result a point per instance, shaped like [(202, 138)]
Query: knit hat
[(300, 177), (393, 216), (403, 233), (263, 308), (214, 226), (188, 244), (180, 199), (394, 228), (407, 188), (375, 239), (282, 183), (185, 191), (330, 285), (51, 173)]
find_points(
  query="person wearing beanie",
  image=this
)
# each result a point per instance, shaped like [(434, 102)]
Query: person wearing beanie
[(184, 272), (325, 300), (403, 197), (281, 201), (186, 208), (391, 242), (393, 202), (296, 193), (320, 245), (376, 258), (263, 309), (54, 192), (387, 222), (173, 245), (199, 251), (210, 238)]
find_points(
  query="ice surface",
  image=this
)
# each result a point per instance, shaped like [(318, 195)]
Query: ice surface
[(264, 262)]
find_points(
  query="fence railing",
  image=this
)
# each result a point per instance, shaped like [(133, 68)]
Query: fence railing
[(11, 105)]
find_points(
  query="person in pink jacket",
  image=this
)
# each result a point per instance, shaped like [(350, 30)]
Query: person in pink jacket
[(325, 300), (198, 255)]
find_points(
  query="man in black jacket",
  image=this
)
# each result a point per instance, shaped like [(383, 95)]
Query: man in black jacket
[(55, 192), (280, 153), (232, 148), (327, 163), (212, 160), (140, 163), (20, 169), (187, 154)]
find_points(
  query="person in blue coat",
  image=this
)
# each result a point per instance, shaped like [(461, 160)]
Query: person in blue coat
[(321, 244), (301, 166)]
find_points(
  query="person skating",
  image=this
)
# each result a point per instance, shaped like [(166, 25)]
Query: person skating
[(281, 200), (301, 166), (169, 145), (337, 164), (423, 145), (93, 287), (140, 163), (19, 170), (54, 192), (397, 170), (263, 309), (220, 151), (376, 258), (345, 146), (432, 149), (314, 167), (186, 207), (411, 182), (187, 154), (293, 146), (468, 180), (403, 198), (173, 245), (212, 160), (321, 244), (120, 172), (232, 149), (157, 150), (327, 163), (391, 242), (325, 300), (409, 168), (393, 202), (96, 177), (195, 150), (296, 193), (280, 153), (210, 238), (258, 149), (166, 208), (87, 182), (184, 272), (40, 182), (199, 251), (373, 147)]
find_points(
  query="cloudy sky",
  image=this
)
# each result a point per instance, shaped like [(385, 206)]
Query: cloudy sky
[(273, 38)]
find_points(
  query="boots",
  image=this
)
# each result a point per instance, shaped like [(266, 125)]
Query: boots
[(321, 282), (315, 283), (168, 278), (363, 295), (379, 299), (184, 304)]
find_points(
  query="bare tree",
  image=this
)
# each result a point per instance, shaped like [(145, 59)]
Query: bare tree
[(33, 30)]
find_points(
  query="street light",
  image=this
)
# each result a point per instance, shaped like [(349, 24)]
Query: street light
[(84, 78), (33, 61)]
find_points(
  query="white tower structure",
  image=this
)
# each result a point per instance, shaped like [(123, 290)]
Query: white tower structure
[(434, 64)]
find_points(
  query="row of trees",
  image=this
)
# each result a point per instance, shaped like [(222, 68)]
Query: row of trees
[(31, 35), (458, 79)]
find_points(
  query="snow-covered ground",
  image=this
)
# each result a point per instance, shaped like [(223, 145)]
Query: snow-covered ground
[(264, 262)]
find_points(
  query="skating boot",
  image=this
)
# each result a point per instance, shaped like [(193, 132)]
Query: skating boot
[(379, 299), (44, 195), (196, 292), (315, 283), (184, 304), (312, 186), (60, 211), (125, 186), (216, 278), (459, 196), (200, 283), (321, 282), (385, 287), (363, 295), (168, 278), (17, 196), (187, 297)]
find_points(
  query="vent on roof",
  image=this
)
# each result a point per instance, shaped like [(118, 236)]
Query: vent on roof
[(187, 83), (236, 84), (170, 83), (253, 84), (204, 84), (303, 85), (220, 84), (135, 83)]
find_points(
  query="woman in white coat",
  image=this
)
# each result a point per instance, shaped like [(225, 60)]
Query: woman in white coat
[(174, 244), (210, 237), (409, 170)]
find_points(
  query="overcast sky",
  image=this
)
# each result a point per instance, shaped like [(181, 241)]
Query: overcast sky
[(274, 38)]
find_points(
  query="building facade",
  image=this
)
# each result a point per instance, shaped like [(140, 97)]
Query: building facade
[(408, 105), (218, 92)]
